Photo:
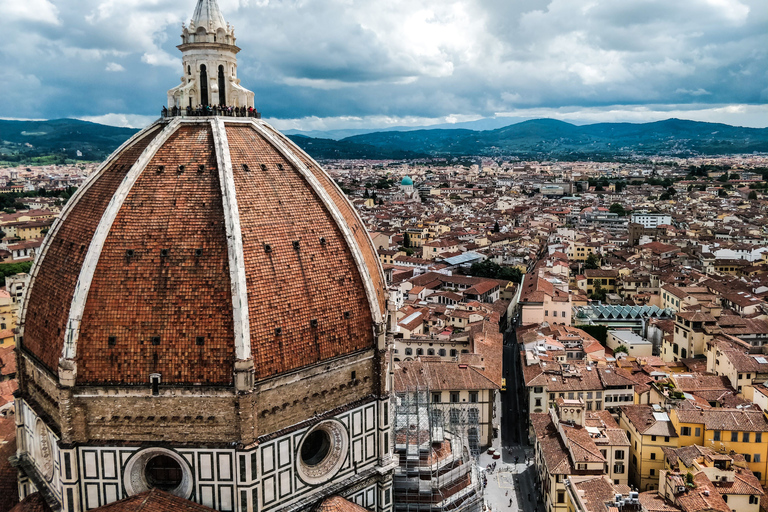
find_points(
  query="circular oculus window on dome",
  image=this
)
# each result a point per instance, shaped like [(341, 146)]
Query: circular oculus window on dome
[(158, 468), (321, 452)]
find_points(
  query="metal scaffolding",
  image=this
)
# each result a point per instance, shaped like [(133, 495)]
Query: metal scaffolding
[(436, 448)]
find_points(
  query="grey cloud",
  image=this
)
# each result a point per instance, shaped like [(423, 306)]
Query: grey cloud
[(426, 58)]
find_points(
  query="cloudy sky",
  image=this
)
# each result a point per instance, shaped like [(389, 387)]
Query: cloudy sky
[(332, 64)]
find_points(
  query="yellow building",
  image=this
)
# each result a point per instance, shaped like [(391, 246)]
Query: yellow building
[(649, 430), (580, 251), (743, 431)]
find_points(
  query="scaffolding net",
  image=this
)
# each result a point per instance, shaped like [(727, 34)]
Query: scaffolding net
[(436, 448)]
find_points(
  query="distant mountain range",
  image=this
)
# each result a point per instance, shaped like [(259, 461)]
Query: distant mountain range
[(535, 139), (23, 141)]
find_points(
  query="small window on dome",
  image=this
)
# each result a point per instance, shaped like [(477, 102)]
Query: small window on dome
[(280, 166), (313, 323), (278, 331), (200, 340), (181, 169), (129, 253), (155, 340), (263, 167), (246, 168), (200, 168), (198, 252), (347, 314), (267, 248), (112, 341), (164, 252), (296, 244), (323, 241), (160, 169)]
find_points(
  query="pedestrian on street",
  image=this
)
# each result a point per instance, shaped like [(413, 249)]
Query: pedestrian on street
[(506, 493), (529, 496), (510, 502)]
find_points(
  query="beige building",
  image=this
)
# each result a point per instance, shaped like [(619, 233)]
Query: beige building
[(635, 345), (460, 395), (541, 301)]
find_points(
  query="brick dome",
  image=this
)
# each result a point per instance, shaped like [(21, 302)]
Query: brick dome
[(202, 244)]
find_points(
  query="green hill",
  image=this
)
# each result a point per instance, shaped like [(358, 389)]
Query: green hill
[(29, 142), (60, 140)]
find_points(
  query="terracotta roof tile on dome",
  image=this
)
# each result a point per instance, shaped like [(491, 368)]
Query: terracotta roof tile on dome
[(350, 216), (224, 241), (293, 287), (156, 294), (64, 251)]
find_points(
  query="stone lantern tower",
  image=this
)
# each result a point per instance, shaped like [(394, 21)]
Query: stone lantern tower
[(209, 59)]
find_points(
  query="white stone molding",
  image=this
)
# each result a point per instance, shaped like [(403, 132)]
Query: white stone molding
[(337, 450), (85, 279), (73, 201), (357, 254), (242, 326)]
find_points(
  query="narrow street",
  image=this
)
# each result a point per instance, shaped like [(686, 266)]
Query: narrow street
[(511, 485)]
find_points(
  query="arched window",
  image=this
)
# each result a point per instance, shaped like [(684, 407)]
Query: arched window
[(189, 70), (430, 352), (222, 87), (409, 351), (204, 85)]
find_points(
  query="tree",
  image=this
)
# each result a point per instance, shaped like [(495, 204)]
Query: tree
[(593, 262), (366, 195), (723, 177), (599, 293), (493, 270), (752, 196), (722, 193), (618, 209), (407, 240), (496, 228), (621, 348)]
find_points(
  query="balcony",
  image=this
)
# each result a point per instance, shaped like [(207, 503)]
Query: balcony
[(211, 110)]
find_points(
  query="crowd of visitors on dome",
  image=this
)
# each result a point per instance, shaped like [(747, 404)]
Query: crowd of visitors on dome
[(211, 110)]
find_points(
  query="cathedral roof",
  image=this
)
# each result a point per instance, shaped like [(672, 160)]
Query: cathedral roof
[(32, 503), (201, 242), (339, 504), (208, 15)]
